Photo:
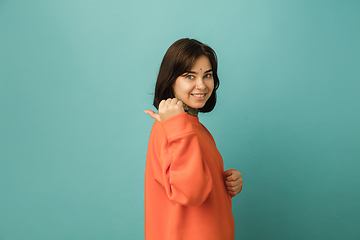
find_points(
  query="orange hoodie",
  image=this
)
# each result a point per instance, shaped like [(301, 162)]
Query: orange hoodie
[(185, 194)]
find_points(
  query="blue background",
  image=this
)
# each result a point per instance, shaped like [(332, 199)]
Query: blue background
[(76, 75)]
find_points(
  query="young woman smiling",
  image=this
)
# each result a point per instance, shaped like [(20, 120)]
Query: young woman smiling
[(187, 192)]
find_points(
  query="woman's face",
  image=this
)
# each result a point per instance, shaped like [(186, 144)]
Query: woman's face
[(194, 88)]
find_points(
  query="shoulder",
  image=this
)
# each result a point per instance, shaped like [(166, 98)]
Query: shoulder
[(208, 132), (157, 137), (157, 128)]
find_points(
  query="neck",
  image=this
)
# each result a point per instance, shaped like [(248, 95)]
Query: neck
[(191, 111)]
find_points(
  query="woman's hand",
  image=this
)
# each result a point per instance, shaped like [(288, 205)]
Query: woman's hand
[(233, 181), (167, 109)]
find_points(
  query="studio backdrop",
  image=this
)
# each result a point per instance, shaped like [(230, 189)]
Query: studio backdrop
[(75, 77)]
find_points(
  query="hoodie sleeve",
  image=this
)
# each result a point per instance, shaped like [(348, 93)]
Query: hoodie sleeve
[(177, 161)]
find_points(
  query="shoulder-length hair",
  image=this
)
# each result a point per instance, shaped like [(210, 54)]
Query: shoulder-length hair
[(178, 60)]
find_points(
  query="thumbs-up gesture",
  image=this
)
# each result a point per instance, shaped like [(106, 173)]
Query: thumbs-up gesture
[(167, 109)]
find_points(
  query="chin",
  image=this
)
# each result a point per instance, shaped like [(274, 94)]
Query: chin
[(196, 105)]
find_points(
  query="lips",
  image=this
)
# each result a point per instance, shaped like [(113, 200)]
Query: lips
[(199, 95)]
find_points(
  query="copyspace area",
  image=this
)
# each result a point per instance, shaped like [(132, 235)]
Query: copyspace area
[(76, 75)]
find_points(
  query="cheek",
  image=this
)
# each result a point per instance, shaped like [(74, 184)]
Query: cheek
[(180, 89), (210, 85)]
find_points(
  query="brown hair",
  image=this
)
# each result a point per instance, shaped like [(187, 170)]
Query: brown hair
[(178, 60)]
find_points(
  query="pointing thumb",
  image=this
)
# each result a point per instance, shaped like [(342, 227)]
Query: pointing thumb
[(153, 115)]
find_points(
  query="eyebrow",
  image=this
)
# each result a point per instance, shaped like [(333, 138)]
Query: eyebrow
[(210, 70)]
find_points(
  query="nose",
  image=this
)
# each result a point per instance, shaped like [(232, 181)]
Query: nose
[(200, 85)]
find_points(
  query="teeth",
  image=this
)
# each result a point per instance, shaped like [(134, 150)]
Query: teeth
[(199, 95)]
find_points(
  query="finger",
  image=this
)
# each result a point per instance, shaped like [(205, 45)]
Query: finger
[(236, 182), (234, 190), (168, 103), (153, 115), (162, 106), (231, 184), (234, 193), (228, 172), (235, 187), (234, 176), (174, 101), (231, 178), (180, 104), (162, 103)]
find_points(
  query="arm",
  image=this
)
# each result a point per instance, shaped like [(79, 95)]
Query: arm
[(185, 176), (177, 162)]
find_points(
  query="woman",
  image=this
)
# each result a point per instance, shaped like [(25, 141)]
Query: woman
[(187, 193)]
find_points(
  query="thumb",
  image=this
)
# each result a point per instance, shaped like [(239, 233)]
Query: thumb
[(228, 172), (153, 115)]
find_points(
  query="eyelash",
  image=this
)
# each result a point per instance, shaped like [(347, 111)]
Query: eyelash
[(192, 77)]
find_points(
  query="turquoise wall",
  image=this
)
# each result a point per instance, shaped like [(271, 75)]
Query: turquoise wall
[(76, 75)]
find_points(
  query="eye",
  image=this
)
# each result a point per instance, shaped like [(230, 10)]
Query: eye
[(208, 75), (189, 77)]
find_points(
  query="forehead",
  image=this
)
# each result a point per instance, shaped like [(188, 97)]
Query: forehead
[(201, 62)]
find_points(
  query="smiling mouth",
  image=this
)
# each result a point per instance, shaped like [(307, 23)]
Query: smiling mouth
[(199, 95)]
